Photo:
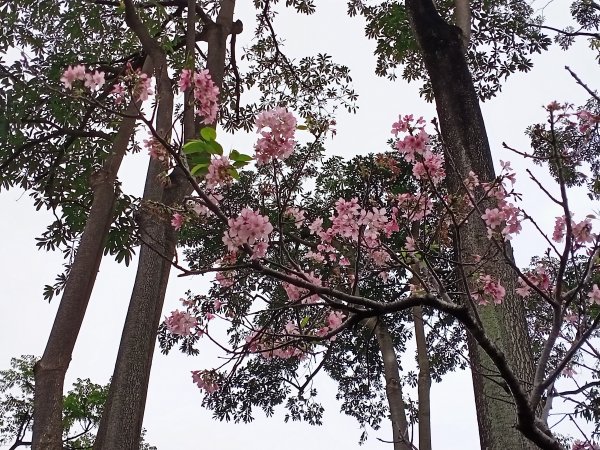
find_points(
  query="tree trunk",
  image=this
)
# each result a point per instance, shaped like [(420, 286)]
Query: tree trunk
[(393, 388), (467, 149), (50, 370), (424, 383), (121, 422)]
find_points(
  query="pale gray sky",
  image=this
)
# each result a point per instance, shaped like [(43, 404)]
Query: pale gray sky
[(174, 418)]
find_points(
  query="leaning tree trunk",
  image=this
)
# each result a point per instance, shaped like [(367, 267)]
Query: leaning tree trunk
[(121, 422), (467, 149), (51, 369)]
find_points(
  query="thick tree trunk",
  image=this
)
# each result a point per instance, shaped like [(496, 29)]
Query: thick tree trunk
[(424, 383), (467, 148), (121, 422), (51, 369)]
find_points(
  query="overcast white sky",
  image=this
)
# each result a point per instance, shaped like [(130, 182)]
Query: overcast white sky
[(174, 418)]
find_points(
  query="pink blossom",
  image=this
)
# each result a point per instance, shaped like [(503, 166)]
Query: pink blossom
[(156, 150), (587, 120), (72, 74), (206, 94), (177, 221), (594, 295), (185, 80), (278, 141), (587, 445), (200, 207), (143, 87), (559, 229), (249, 228), (219, 172), (119, 91), (335, 319), (582, 232), (491, 288), (430, 167), (95, 80), (180, 323), (206, 379), (493, 217), (523, 290)]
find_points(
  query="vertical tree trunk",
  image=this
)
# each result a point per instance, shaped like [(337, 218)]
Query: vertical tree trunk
[(51, 369), (467, 148), (393, 388), (121, 422), (424, 383)]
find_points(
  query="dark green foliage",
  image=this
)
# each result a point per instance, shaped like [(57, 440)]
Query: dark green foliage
[(82, 408), (504, 36)]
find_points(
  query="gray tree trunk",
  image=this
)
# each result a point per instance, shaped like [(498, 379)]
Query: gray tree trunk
[(50, 370), (424, 383), (393, 387), (467, 148)]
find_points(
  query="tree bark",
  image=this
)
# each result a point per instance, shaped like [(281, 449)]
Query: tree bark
[(51, 369), (121, 422), (467, 149), (424, 383), (393, 388)]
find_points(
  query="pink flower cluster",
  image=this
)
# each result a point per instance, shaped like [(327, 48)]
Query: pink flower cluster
[(249, 228), (219, 172), (206, 93), (594, 295), (200, 208), (91, 81), (296, 293), (156, 150), (278, 141), (181, 323), (587, 445), (539, 277), (206, 379), (581, 231), (489, 289), (414, 147), (506, 218), (587, 120)]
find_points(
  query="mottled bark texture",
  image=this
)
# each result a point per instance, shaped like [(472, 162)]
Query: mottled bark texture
[(50, 370), (467, 149), (121, 422)]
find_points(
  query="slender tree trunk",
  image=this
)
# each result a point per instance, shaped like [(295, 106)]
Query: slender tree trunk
[(393, 388), (51, 369), (121, 422), (467, 148), (424, 384)]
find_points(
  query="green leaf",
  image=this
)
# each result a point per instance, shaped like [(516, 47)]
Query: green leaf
[(301, 127), (200, 168), (304, 321), (214, 148), (208, 134), (239, 164), (199, 158), (239, 157), (234, 173), (195, 147)]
